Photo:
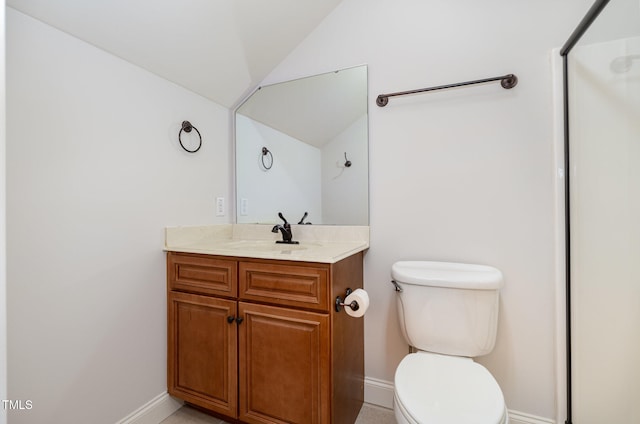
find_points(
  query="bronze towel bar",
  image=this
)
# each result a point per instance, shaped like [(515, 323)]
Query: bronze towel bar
[(507, 81)]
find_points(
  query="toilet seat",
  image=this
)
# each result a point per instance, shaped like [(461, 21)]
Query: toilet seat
[(439, 389)]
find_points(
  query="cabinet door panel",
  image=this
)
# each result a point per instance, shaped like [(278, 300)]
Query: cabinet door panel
[(284, 372), (203, 351)]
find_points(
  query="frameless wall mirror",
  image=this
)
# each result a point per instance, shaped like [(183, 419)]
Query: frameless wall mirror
[(302, 148)]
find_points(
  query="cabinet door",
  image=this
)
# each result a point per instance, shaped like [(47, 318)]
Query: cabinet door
[(202, 351), (284, 365)]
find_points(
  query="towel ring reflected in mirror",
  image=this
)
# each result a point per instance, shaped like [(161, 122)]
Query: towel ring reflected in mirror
[(266, 152)]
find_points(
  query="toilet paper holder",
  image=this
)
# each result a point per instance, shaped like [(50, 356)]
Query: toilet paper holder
[(340, 303)]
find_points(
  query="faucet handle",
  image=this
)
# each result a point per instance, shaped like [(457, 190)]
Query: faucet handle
[(302, 219), (283, 218)]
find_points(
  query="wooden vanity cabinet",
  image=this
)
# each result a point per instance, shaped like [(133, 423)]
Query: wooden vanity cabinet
[(259, 341)]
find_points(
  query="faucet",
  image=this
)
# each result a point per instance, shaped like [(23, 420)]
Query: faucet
[(285, 229)]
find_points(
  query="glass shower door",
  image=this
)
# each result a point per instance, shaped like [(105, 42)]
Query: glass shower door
[(604, 192)]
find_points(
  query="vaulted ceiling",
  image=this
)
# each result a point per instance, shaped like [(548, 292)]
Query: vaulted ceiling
[(220, 49)]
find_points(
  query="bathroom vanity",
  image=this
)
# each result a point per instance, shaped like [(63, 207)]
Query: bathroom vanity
[(253, 333)]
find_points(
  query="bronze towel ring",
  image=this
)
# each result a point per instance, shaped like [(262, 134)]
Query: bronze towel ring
[(187, 127)]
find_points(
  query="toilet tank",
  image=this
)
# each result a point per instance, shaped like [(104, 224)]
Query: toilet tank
[(448, 308)]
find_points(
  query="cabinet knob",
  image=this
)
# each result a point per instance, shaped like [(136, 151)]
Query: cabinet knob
[(230, 319), (239, 320)]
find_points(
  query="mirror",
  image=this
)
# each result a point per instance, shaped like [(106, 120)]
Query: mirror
[(302, 147)]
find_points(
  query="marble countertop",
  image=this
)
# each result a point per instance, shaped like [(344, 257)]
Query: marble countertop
[(317, 243)]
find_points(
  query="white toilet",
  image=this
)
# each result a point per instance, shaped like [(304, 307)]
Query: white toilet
[(448, 313)]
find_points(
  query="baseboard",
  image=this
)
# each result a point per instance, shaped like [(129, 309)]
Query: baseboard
[(516, 417), (154, 411), (376, 392), (380, 393)]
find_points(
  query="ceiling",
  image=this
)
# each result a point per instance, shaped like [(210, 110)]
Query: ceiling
[(220, 49)]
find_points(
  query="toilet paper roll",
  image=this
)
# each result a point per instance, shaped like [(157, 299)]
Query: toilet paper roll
[(362, 298)]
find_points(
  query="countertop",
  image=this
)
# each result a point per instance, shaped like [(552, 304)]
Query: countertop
[(317, 243)]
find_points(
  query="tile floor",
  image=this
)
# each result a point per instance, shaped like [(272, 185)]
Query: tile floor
[(369, 414)]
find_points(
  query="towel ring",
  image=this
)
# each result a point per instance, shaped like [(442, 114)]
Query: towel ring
[(187, 127), (266, 152)]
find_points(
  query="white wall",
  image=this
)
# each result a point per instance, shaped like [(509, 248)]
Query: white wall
[(462, 175), (94, 173), (290, 186)]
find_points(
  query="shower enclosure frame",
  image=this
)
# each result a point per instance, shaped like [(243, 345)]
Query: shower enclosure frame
[(583, 26)]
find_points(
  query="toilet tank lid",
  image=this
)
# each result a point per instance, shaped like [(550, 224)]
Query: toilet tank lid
[(447, 274)]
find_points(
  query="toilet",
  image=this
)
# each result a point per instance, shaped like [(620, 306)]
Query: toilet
[(448, 314)]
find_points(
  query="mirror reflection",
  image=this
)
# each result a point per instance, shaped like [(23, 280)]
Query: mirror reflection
[(302, 148)]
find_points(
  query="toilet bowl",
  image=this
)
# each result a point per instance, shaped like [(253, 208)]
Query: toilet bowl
[(449, 313), (432, 388)]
